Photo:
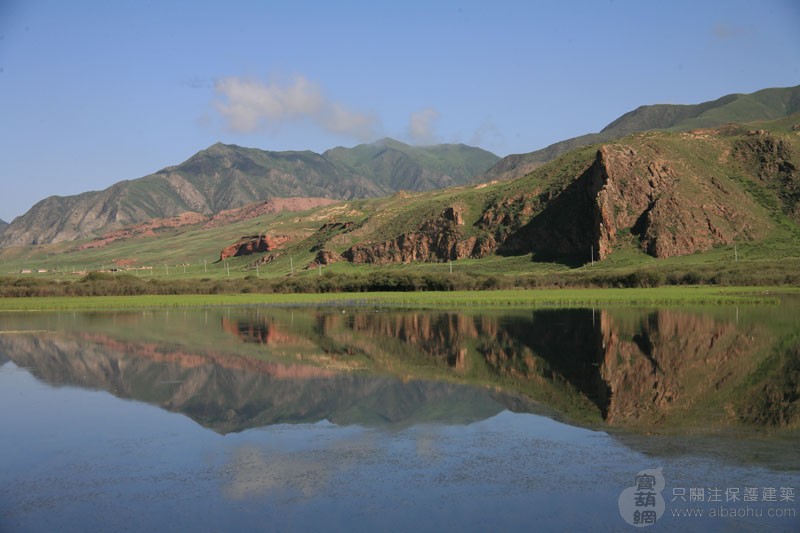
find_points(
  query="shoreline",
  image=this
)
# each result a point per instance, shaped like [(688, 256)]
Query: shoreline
[(567, 297)]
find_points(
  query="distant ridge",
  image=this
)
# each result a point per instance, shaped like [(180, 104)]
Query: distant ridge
[(224, 177), (766, 104)]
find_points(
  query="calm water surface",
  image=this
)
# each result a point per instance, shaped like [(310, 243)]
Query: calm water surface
[(332, 419)]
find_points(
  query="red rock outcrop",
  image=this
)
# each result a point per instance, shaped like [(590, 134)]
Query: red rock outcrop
[(190, 218), (670, 210), (147, 229), (324, 257), (253, 244), (273, 205), (437, 239)]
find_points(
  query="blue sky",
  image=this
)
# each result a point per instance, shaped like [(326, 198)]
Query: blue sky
[(96, 92)]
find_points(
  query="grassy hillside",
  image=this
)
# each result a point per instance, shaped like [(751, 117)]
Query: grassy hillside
[(767, 104), (397, 166), (714, 206)]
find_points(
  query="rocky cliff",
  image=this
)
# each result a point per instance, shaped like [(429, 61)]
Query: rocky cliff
[(253, 244), (641, 191), (773, 161), (437, 239), (668, 194)]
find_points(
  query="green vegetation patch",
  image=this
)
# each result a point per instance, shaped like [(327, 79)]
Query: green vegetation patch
[(419, 300)]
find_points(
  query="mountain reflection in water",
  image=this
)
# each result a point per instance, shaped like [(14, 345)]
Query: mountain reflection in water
[(233, 369)]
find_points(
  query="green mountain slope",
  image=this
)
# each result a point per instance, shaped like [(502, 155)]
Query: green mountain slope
[(397, 166), (662, 194), (706, 197), (767, 104), (226, 176)]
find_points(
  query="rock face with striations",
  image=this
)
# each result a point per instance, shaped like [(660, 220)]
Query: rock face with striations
[(771, 160), (324, 257), (667, 208), (437, 239)]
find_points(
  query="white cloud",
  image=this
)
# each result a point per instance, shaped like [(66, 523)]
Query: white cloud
[(249, 105), (421, 126), (338, 119), (487, 135)]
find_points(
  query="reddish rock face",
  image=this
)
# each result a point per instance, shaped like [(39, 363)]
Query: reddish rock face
[(668, 209), (146, 230), (273, 205), (324, 257), (253, 244), (437, 239), (190, 218)]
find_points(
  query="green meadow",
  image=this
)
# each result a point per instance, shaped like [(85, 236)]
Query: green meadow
[(678, 295)]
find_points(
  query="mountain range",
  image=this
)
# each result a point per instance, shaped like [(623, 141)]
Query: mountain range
[(710, 193), (666, 192), (224, 177)]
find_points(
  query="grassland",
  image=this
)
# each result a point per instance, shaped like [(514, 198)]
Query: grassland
[(676, 296)]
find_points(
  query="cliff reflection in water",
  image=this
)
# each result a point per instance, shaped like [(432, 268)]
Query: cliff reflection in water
[(626, 367), (235, 369)]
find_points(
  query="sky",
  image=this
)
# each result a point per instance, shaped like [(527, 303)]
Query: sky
[(94, 92)]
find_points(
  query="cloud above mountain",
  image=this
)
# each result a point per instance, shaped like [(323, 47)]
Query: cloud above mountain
[(422, 126), (249, 105)]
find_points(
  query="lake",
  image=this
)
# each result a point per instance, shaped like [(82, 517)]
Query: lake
[(342, 419)]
